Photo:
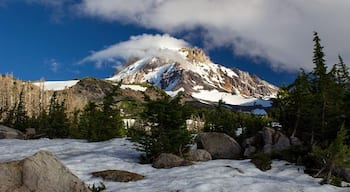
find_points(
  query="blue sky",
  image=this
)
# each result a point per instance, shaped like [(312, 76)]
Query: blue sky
[(50, 38)]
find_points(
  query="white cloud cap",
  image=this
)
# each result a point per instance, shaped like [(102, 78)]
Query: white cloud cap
[(139, 46)]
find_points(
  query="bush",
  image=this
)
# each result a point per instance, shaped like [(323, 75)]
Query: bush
[(262, 161)]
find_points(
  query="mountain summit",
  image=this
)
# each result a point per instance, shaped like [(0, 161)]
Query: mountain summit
[(191, 70)]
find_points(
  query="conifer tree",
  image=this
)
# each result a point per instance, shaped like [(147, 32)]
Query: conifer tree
[(166, 119), (58, 122)]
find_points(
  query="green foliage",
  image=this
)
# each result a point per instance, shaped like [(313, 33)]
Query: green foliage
[(337, 154), (97, 188), (166, 120), (262, 161), (17, 117), (220, 119), (101, 122), (57, 120), (314, 105)]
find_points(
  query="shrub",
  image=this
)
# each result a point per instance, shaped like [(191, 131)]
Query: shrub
[(262, 161)]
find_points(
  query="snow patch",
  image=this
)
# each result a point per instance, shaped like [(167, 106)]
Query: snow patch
[(174, 93), (134, 87), (56, 85), (215, 96)]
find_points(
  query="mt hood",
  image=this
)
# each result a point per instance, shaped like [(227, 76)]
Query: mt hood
[(191, 71)]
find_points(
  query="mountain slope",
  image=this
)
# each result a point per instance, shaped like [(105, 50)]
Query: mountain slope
[(191, 71)]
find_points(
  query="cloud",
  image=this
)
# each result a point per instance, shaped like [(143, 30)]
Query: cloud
[(138, 46), (54, 65), (279, 31)]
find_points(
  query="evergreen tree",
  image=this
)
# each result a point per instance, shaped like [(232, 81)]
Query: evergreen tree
[(17, 117), (166, 119), (99, 123), (335, 155), (58, 122), (221, 120)]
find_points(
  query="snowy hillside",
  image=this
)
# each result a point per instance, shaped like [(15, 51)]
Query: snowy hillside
[(217, 175)]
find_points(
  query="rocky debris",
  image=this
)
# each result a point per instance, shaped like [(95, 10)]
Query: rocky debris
[(168, 160), (219, 145), (266, 141), (118, 175), (198, 155), (41, 172), (9, 133)]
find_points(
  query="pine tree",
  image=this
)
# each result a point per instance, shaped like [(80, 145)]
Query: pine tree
[(58, 122), (166, 119), (335, 155)]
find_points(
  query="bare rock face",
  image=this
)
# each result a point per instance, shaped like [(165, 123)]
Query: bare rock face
[(41, 172), (198, 155), (168, 160), (118, 175), (219, 145), (9, 133), (195, 55)]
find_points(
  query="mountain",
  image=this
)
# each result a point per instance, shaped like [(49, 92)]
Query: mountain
[(191, 71)]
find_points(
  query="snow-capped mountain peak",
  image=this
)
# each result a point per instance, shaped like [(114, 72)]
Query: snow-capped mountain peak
[(192, 71)]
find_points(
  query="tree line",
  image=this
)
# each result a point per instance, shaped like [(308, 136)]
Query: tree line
[(315, 108)]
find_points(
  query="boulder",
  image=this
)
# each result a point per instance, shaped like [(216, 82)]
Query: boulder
[(118, 175), (9, 133), (219, 145), (268, 140), (168, 160), (40, 173), (198, 155)]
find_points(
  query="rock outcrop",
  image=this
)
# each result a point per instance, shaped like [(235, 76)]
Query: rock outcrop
[(9, 133), (41, 172), (118, 175), (266, 141), (219, 145)]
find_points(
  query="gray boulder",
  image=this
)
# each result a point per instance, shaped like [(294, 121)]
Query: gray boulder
[(198, 155), (168, 160), (219, 145), (40, 173), (9, 133)]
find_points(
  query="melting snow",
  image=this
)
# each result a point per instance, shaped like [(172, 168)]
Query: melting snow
[(134, 87), (215, 96), (82, 158), (56, 85)]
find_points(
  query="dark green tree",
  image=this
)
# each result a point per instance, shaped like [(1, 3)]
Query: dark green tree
[(17, 117), (166, 120), (102, 122), (58, 122), (221, 119)]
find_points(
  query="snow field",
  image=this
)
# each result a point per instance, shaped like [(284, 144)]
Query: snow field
[(82, 158)]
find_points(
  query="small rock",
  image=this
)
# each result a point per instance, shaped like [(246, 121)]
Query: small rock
[(118, 175), (198, 155), (168, 160)]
